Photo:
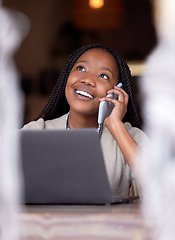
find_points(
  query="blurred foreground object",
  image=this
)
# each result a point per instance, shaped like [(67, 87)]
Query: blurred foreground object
[(14, 27), (157, 166)]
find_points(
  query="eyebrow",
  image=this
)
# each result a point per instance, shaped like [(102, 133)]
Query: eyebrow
[(105, 68), (108, 70), (81, 61)]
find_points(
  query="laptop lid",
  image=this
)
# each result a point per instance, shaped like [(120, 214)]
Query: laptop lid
[(64, 167)]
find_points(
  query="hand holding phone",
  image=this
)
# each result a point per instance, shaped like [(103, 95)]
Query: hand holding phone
[(105, 108)]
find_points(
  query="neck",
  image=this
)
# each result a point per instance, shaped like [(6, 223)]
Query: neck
[(78, 120)]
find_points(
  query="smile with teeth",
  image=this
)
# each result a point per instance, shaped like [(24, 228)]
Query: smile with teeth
[(84, 94)]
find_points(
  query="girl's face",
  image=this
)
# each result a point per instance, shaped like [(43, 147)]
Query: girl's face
[(94, 73)]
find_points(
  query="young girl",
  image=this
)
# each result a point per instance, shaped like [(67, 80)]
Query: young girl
[(89, 74)]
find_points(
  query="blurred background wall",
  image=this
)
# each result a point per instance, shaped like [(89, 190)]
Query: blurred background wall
[(58, 27)]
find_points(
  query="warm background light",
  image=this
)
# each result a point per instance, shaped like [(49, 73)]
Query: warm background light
[(96, 3), (98, 14)]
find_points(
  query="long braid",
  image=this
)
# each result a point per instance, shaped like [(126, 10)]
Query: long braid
[(57, 104), (126, 79)]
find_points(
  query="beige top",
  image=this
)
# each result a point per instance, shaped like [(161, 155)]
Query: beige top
[(118, 171)]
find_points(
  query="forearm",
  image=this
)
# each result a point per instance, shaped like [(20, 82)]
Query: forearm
[(127, 144)]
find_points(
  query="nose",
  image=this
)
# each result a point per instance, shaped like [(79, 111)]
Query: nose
[(88, 79)]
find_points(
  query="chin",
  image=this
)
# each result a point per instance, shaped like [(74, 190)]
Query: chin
[(85, 111)]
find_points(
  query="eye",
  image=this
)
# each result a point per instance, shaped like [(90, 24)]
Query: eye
[(81, 68), (104, 76)]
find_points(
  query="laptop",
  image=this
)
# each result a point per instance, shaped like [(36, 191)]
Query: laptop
[(65, 167)]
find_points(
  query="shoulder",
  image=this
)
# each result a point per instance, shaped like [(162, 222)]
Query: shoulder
[(57, 123), (39, 124)]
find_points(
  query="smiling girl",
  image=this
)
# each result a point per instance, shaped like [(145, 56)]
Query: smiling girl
[(89, 74)]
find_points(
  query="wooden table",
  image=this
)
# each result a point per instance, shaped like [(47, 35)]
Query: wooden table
[(84, 222)]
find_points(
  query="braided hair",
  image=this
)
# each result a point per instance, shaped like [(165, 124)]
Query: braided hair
[(57, 104)]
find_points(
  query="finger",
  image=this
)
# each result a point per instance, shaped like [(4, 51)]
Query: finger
[(112, 90), (118, 91), (108, 99), (126, 96)]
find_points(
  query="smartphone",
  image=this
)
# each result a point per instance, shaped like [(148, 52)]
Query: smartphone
[(105, 108)]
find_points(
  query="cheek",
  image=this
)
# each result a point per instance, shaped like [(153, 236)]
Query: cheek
[(67, 92), (102, 90), (69, 83), (67, 89)]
